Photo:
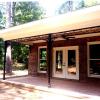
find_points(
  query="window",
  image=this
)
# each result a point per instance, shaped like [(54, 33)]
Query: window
[(42, 59), (94, 59), (72, 62), (59, 59)]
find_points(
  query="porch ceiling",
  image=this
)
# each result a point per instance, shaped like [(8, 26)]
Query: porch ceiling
[(66, 23), (79, 33)]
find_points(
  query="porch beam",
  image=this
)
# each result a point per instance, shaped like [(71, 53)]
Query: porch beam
[(32, 38), (49, 58), (89, 30), (68, 34)]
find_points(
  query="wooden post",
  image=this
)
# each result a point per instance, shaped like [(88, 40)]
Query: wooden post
[(49, 58), (5, 50)]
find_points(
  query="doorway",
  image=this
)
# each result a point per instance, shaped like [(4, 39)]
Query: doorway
[(66, 62)]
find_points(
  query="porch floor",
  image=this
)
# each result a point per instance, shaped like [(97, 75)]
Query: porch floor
[(88, 88)]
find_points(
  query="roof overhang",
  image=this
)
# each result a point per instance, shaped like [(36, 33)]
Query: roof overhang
[(88, 17)]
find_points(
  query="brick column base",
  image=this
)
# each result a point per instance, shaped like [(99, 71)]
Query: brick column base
[(33, 61)]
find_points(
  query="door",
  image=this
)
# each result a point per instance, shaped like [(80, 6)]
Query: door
[(72, 62), (66, 62), (58, 62)]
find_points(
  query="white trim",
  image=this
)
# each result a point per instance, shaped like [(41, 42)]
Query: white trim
[(39, 60), (88, 59), (88, 63), (87, 35)]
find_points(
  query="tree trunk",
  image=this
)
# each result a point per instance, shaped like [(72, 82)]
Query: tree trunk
[(8, 59), (8, 24)]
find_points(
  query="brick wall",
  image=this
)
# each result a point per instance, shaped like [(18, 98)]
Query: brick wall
[(82, 43), (83, 60), (33, 60)]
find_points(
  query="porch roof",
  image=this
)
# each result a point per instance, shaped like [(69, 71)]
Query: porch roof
[(88, 17)]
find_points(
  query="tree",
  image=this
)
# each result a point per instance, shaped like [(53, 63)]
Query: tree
[(80, 5), (8, 24), (2, 17), (19, 13), (1, 23), (66, 7), (26, 12), (89, 3), (20, 54), (71, 5), (1, 53)]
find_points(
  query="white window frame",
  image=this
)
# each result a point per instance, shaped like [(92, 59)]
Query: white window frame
[(39, 59), (88, 59)]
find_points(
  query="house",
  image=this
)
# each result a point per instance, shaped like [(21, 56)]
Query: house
[(65, 46)]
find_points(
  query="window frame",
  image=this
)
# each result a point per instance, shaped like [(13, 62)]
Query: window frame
[(39, 71), (88, 59)]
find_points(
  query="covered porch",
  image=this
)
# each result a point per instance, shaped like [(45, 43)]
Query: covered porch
[(72, 31)]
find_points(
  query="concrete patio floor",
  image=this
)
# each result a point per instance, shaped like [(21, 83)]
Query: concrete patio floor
[(15, 73), (65, 89), (9, 91)]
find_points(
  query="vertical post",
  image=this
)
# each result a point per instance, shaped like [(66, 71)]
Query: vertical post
[(5, 50), (49, 58)]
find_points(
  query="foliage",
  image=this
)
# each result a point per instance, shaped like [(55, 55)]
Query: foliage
[(65, 7), (20, 53), (27, 12), (71, 5), (80, 5), (1, 53), (2, 18), (89, 3), (24, 12)]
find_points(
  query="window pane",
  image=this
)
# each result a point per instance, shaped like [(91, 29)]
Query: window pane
[(94, 51), (42, 59), (43, 65), (94, 60), (71, 62), (59, 59), (95, 67), (43, 53)]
